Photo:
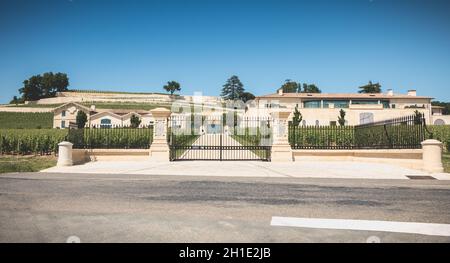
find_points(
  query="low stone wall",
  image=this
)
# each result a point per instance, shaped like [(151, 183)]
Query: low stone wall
[(81, 156), (406, 158)]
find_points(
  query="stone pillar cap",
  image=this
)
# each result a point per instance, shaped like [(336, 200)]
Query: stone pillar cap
[(431, 142), (282, 114), (160, 112), (65, 144)]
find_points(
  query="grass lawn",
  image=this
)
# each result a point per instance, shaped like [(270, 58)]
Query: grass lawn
[(446, 161), (11, 164), (26, 120)]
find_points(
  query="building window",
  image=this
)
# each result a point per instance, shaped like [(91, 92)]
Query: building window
[(63, 124), (364, 102), (317, 123), (386, 104), (63, 113), (304, 122), (312, 104), (365, 117), (339, 104), (105, 123), (439, 122)]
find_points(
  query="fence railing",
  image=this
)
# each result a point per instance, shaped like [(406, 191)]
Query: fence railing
[(399, 133), (116, 137)]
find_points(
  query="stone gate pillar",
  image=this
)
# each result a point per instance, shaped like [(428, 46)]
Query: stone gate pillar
[(159, 150), (281, 150), (432, 156)]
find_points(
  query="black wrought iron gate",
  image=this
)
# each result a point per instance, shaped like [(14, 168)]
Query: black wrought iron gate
[(215, 138)]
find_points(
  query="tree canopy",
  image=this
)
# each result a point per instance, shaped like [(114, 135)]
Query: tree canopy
[(297, 119), (246, 96), (233, 89), (446, 106), (135, 121), (370, 88), (290, 86), (172, 86), (341, 117), (310, 88), (44, 86), (81, 119)]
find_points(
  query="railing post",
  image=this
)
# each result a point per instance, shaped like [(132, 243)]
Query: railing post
[(159, 150), (281, 149)]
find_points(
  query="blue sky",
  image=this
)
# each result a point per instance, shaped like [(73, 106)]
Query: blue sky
[(140, 45)]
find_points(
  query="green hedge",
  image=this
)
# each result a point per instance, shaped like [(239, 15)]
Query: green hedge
[(441, 133), (31, 141)]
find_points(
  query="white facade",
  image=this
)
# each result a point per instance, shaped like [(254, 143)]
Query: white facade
[(66, 115), (324, 109)]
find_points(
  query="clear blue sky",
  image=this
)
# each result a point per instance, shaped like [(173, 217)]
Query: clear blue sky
[(140, 45)]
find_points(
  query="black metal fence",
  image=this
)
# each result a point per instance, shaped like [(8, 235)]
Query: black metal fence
[(116, 137), (213, 138), (400, 133)]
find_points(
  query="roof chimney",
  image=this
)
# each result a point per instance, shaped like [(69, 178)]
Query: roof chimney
[(412, 92), (280, 91), (390, 92)]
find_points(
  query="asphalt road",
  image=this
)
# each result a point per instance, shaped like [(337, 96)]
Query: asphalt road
[(140, 208)]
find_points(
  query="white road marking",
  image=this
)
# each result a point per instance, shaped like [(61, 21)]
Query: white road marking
[(365, 225)]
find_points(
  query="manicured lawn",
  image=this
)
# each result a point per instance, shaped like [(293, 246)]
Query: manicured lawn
[(446, 161), (26, 120), (11, 164)]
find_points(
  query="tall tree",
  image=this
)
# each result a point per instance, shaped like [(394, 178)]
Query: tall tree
[(290, 86), (172, 86), (233, 89), (15, 100), (32, 88), (297, 119), (246, 96), (45, 86), (310, 88), (418, 118), (135, 121), (341, 117), (81, 119), (370, 88)]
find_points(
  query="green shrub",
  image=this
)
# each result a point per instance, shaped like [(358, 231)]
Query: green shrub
[(441, 133)]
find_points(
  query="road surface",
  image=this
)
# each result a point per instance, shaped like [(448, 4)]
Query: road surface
[(41, 207)]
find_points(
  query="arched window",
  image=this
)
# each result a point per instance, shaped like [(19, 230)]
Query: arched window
[(439, 122), (317, 123), (105, 123), (365, 117)]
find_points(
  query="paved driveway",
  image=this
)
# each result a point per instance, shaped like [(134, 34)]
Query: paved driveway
[(298, 169), (223, 140)]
